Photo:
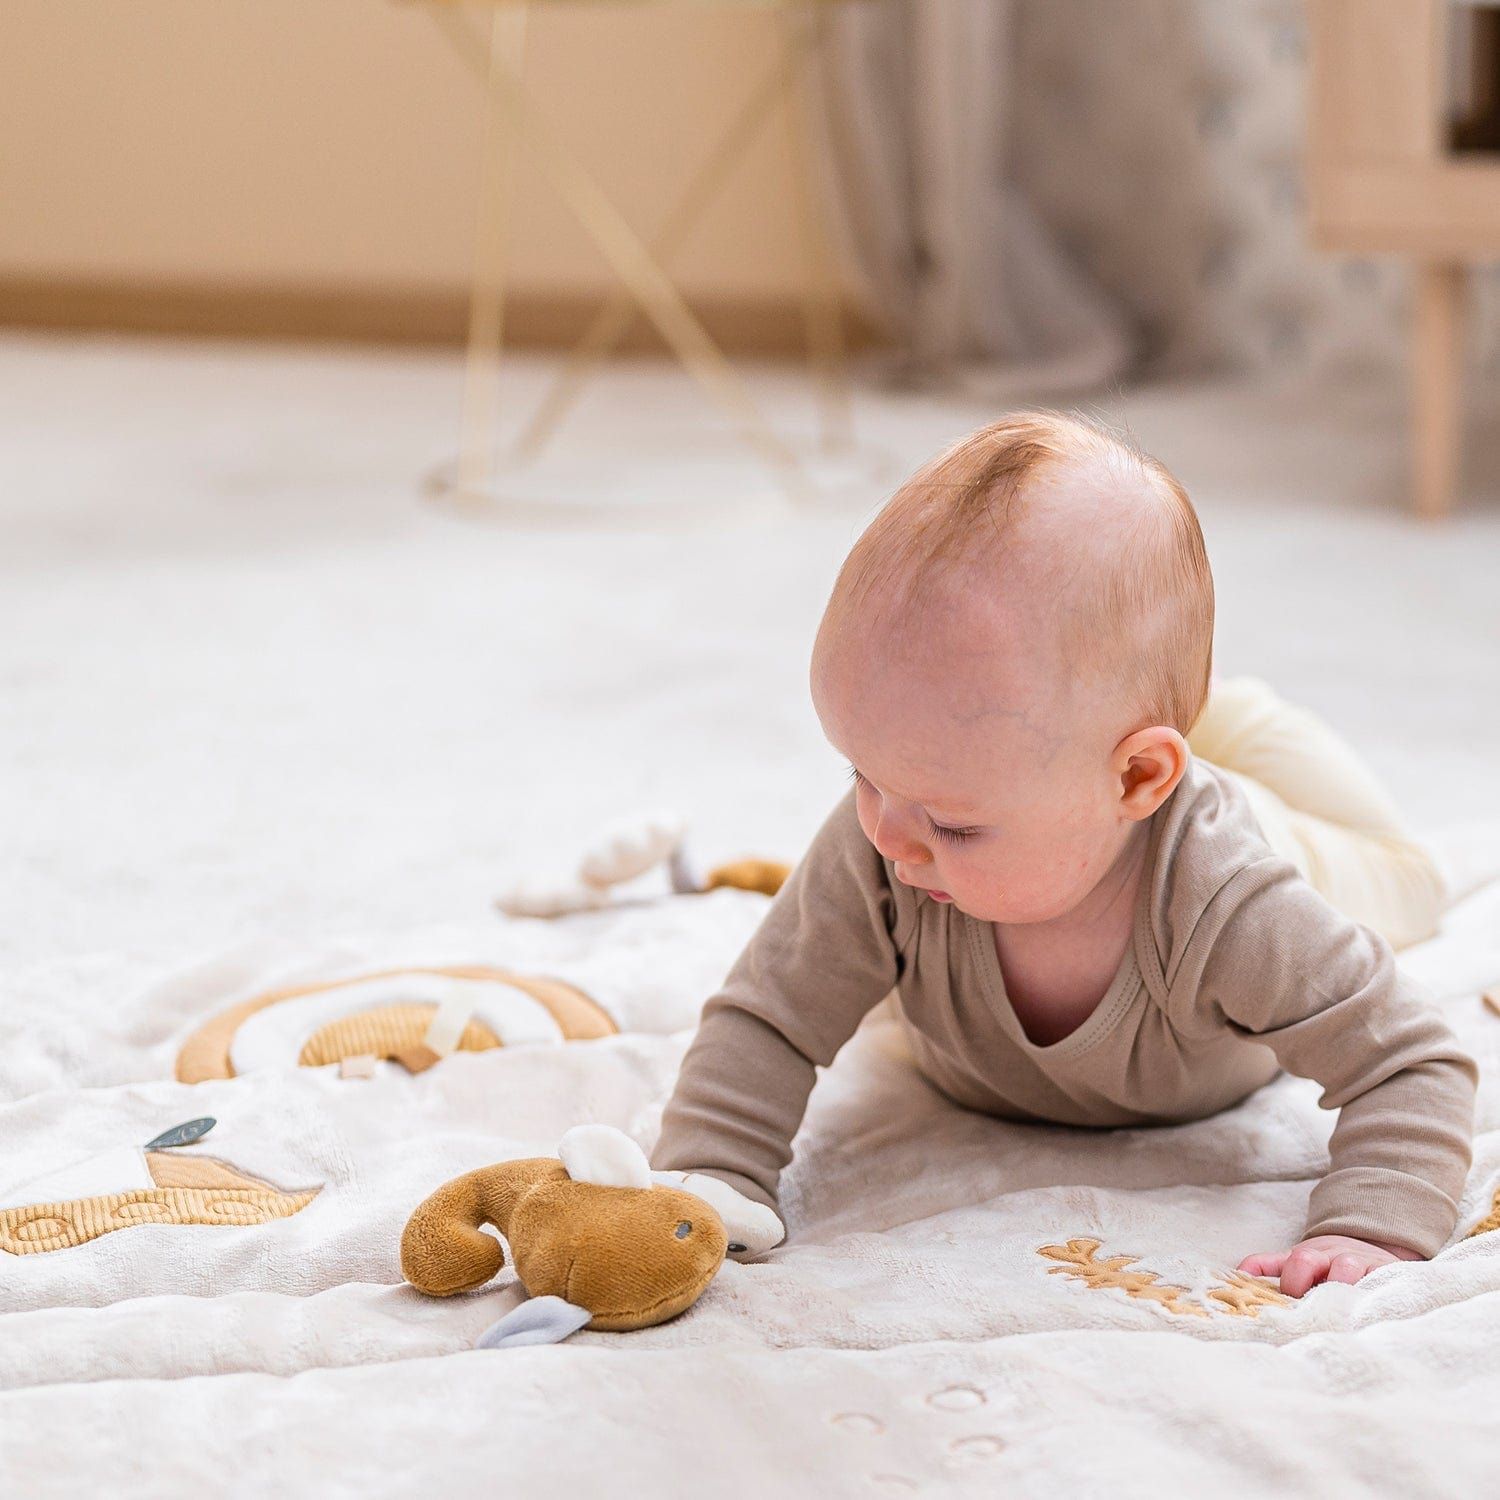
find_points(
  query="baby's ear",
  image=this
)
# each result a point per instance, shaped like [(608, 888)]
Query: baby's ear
[(1149, 764)]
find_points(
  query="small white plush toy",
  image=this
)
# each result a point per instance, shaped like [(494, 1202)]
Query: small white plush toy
[(622, 852)]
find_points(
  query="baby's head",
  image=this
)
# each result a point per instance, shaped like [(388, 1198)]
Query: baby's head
[(1012, 656)]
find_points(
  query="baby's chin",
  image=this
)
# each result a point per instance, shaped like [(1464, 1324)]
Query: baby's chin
[(1009, 913)]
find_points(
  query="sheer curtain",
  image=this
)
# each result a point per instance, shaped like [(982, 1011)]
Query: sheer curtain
[(1048, 194), (976, 290)]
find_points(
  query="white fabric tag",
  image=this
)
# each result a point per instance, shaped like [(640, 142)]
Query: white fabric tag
[(121, 1169), (447, 1026), (539, 1320)]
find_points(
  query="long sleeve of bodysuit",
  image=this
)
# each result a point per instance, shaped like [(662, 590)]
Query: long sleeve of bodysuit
[(1276, 961), (824, 956)]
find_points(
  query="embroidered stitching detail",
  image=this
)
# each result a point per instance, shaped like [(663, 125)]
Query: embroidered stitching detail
[(1078, 1260), (1243, 1296), (1237, 1295)]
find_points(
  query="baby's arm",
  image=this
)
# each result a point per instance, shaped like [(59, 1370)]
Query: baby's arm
[(824, 955), (1324, 993)]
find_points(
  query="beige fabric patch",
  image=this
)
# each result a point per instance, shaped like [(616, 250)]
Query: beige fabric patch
[(416, 1058)]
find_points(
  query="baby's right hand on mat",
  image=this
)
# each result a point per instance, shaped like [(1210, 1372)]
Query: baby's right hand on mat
[(1324, 1257), (752, 1227)]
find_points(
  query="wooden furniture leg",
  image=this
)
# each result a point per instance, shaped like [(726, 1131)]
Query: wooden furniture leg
[(512, 108), (821, 293), (476, 444), (620, 310), (1437, 393)]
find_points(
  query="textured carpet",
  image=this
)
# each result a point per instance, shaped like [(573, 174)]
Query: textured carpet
[(250, 684)]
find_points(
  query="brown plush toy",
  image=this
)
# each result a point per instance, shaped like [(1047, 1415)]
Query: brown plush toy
[(598, 1239)]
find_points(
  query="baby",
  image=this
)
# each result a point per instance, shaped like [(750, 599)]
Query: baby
[(1083, 921)]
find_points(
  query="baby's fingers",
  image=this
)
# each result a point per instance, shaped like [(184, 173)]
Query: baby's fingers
[(1348, 1268), (1263, 1265), (1303, 1270)]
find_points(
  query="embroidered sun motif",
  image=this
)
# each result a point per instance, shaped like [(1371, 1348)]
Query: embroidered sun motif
[(1078, 1260), (1238, 1295)]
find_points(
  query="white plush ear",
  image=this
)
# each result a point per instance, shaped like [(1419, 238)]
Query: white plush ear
[(630, 848), (604, 1155)]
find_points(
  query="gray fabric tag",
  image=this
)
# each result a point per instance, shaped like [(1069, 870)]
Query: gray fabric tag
[(538, 1320)]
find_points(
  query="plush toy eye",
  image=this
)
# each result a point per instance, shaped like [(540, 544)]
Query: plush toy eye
[(683, 1230), (735, 1248)]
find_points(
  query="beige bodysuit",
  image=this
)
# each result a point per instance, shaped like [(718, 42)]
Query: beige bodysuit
[(1236, 967)]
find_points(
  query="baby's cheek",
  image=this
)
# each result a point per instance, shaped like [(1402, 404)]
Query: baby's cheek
[(1017, 873), (991, 872)]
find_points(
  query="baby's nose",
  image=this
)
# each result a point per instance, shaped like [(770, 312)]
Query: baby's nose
[(896, 845)]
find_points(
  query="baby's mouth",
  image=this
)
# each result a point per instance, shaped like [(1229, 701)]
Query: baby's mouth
[(926, 890)]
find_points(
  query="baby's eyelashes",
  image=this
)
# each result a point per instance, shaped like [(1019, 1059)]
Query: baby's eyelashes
[(943, 831), (951, 835)]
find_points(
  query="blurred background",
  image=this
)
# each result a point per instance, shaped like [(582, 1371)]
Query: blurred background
[(270, 658)]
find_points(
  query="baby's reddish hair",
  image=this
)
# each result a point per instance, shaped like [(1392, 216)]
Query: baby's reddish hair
[(1156, 592)]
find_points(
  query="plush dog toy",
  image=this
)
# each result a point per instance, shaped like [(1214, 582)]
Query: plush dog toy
[(598, 1239)]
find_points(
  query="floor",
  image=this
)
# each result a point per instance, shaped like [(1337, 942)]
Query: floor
[(249, 681)]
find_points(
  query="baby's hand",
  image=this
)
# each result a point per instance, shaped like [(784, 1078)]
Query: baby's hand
[(1325, 1257)]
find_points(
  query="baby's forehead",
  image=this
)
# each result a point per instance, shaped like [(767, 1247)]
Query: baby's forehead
[(954, 684), (1048, 555)]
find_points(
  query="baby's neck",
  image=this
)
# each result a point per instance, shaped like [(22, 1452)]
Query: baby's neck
[(1112, 895), (1056, 972)]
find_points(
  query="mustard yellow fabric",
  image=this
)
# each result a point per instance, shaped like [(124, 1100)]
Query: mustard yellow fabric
[(189, 1190)]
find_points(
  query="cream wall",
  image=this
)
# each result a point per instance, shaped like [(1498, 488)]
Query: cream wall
[(334, 143)]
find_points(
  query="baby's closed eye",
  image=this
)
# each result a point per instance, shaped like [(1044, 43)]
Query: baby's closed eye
[(945, 831)]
